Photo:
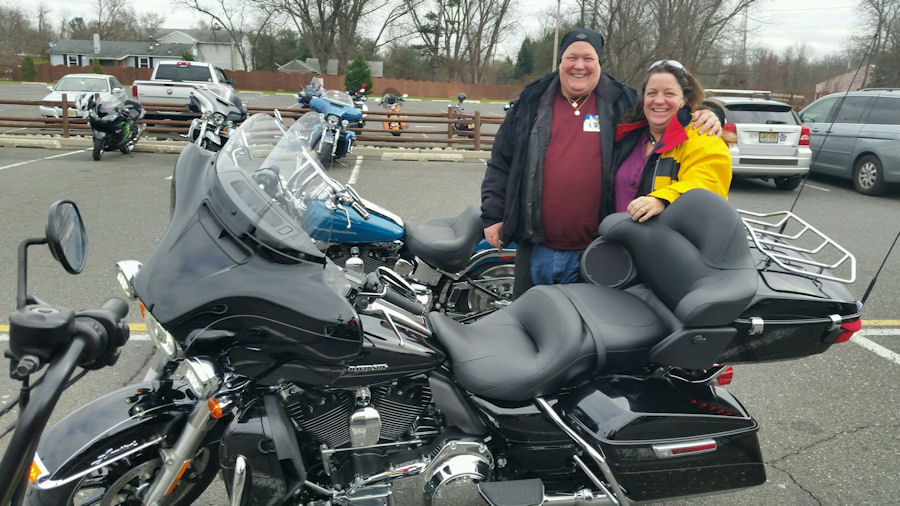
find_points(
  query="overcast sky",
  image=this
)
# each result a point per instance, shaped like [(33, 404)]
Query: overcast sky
[(823, 25)]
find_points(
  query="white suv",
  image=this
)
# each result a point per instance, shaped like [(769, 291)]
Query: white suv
[(771, 141)]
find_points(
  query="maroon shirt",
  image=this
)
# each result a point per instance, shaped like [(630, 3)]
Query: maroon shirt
[(570, 197)]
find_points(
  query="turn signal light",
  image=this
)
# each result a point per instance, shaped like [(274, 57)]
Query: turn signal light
[(804, 136), (849, 329), (725, 377), (215, 408), (730, 127)]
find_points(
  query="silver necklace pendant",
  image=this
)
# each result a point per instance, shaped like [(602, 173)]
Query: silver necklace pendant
[(577, 113)]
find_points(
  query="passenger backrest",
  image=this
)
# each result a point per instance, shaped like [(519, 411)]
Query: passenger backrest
[(694, 256)]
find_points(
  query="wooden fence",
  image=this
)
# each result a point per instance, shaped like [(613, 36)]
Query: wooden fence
[(283, 81), (443, 133)]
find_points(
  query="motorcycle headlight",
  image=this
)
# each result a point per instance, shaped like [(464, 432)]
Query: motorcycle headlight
[(126, 270), (345, 123), (200, 376), (218, 119), (333, 120), (160, 336)]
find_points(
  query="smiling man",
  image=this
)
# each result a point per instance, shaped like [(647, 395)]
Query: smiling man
[(542, 187)]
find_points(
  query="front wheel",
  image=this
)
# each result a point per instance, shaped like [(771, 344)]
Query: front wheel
[(325, 152), (98, 149), (868, 176), (127, 480)]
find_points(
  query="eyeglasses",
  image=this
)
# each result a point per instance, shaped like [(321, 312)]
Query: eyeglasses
[(671, 63)]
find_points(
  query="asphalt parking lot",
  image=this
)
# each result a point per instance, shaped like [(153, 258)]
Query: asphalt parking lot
[(829, 423)]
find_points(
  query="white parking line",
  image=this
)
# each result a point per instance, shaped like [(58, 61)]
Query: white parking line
[(814, 187), (881, 351), (355, 174), (41, 159)]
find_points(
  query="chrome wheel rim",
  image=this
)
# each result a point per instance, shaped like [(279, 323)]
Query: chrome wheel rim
[(868, 175)]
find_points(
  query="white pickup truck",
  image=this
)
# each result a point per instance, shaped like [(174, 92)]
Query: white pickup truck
[(172, 82)]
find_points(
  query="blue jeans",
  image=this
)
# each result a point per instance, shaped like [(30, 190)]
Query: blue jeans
[(550, 266)]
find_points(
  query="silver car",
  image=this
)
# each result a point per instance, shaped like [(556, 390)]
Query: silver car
[(77, 85), (771, 141), (856, 136)]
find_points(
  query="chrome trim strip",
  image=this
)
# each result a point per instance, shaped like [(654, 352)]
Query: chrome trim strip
[(667, 451), (50, 484), (595, 453), (240, 480)]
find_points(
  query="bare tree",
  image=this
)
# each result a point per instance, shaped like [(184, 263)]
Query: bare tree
[(237, 18), (878, 42), (485, 33)]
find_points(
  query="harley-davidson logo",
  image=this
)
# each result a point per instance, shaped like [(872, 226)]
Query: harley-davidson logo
[(366, 368)]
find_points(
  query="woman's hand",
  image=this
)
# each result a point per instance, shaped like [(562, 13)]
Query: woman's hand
[(643, 208), (707, 121)]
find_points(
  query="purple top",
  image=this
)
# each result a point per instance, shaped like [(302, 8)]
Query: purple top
[(628, 177)]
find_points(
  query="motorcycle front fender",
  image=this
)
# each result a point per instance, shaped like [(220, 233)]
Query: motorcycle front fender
[(98, 134), (126, 421)]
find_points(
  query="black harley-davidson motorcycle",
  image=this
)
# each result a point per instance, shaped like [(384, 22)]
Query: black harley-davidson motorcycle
[(306, 384)]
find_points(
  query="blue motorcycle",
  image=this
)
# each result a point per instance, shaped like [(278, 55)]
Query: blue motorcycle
[(449, 264), (333, 139)]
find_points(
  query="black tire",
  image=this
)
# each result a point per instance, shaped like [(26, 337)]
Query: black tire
[(787, 183), (98, 149), (123, 482), (868, 176), (126, 148), (395, 133), (325, 153)]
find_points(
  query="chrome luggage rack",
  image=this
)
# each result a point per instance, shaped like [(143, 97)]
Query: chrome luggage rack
[(792, 243)]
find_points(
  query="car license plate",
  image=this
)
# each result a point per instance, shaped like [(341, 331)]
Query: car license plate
[(768, 137)]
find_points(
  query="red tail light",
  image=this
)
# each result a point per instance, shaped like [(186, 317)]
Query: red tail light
[(725, 377), (849, 328), (729, 127), (804, 136), (134, 91)]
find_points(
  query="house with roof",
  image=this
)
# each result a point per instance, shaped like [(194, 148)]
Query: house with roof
[(212, 46), (80, 53)]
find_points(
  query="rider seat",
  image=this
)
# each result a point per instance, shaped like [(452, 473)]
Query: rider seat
[(697, 276), (446, 243)]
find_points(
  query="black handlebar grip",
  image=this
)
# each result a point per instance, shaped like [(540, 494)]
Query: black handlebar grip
[(116, 306), (396, 298)]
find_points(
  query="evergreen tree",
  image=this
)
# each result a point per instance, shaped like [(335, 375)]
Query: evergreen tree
[(187, 55), (524, 60), (358, 73), (96, 68), (29, 72)]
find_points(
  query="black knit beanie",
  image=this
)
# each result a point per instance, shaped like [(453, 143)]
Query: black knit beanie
[(582, 35)]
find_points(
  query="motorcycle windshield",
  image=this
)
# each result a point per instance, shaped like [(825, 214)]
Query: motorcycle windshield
[(275, 188), (339, 96)]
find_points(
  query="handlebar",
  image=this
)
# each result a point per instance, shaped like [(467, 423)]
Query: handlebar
[(95, 340), (398, 299)]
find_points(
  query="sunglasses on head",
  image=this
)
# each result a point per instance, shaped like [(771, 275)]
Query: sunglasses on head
[(671, 63)]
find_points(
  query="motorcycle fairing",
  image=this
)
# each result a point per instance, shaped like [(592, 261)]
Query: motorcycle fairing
[(112, 425)]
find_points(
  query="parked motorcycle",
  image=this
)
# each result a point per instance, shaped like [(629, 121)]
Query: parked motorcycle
[(359, 101), (310, 91), (333, 139), (306, 384), (114, 125), (395, 121), (218, 117), (459, 110)]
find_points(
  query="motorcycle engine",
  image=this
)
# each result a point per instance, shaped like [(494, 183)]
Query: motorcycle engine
[(373, 255)]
